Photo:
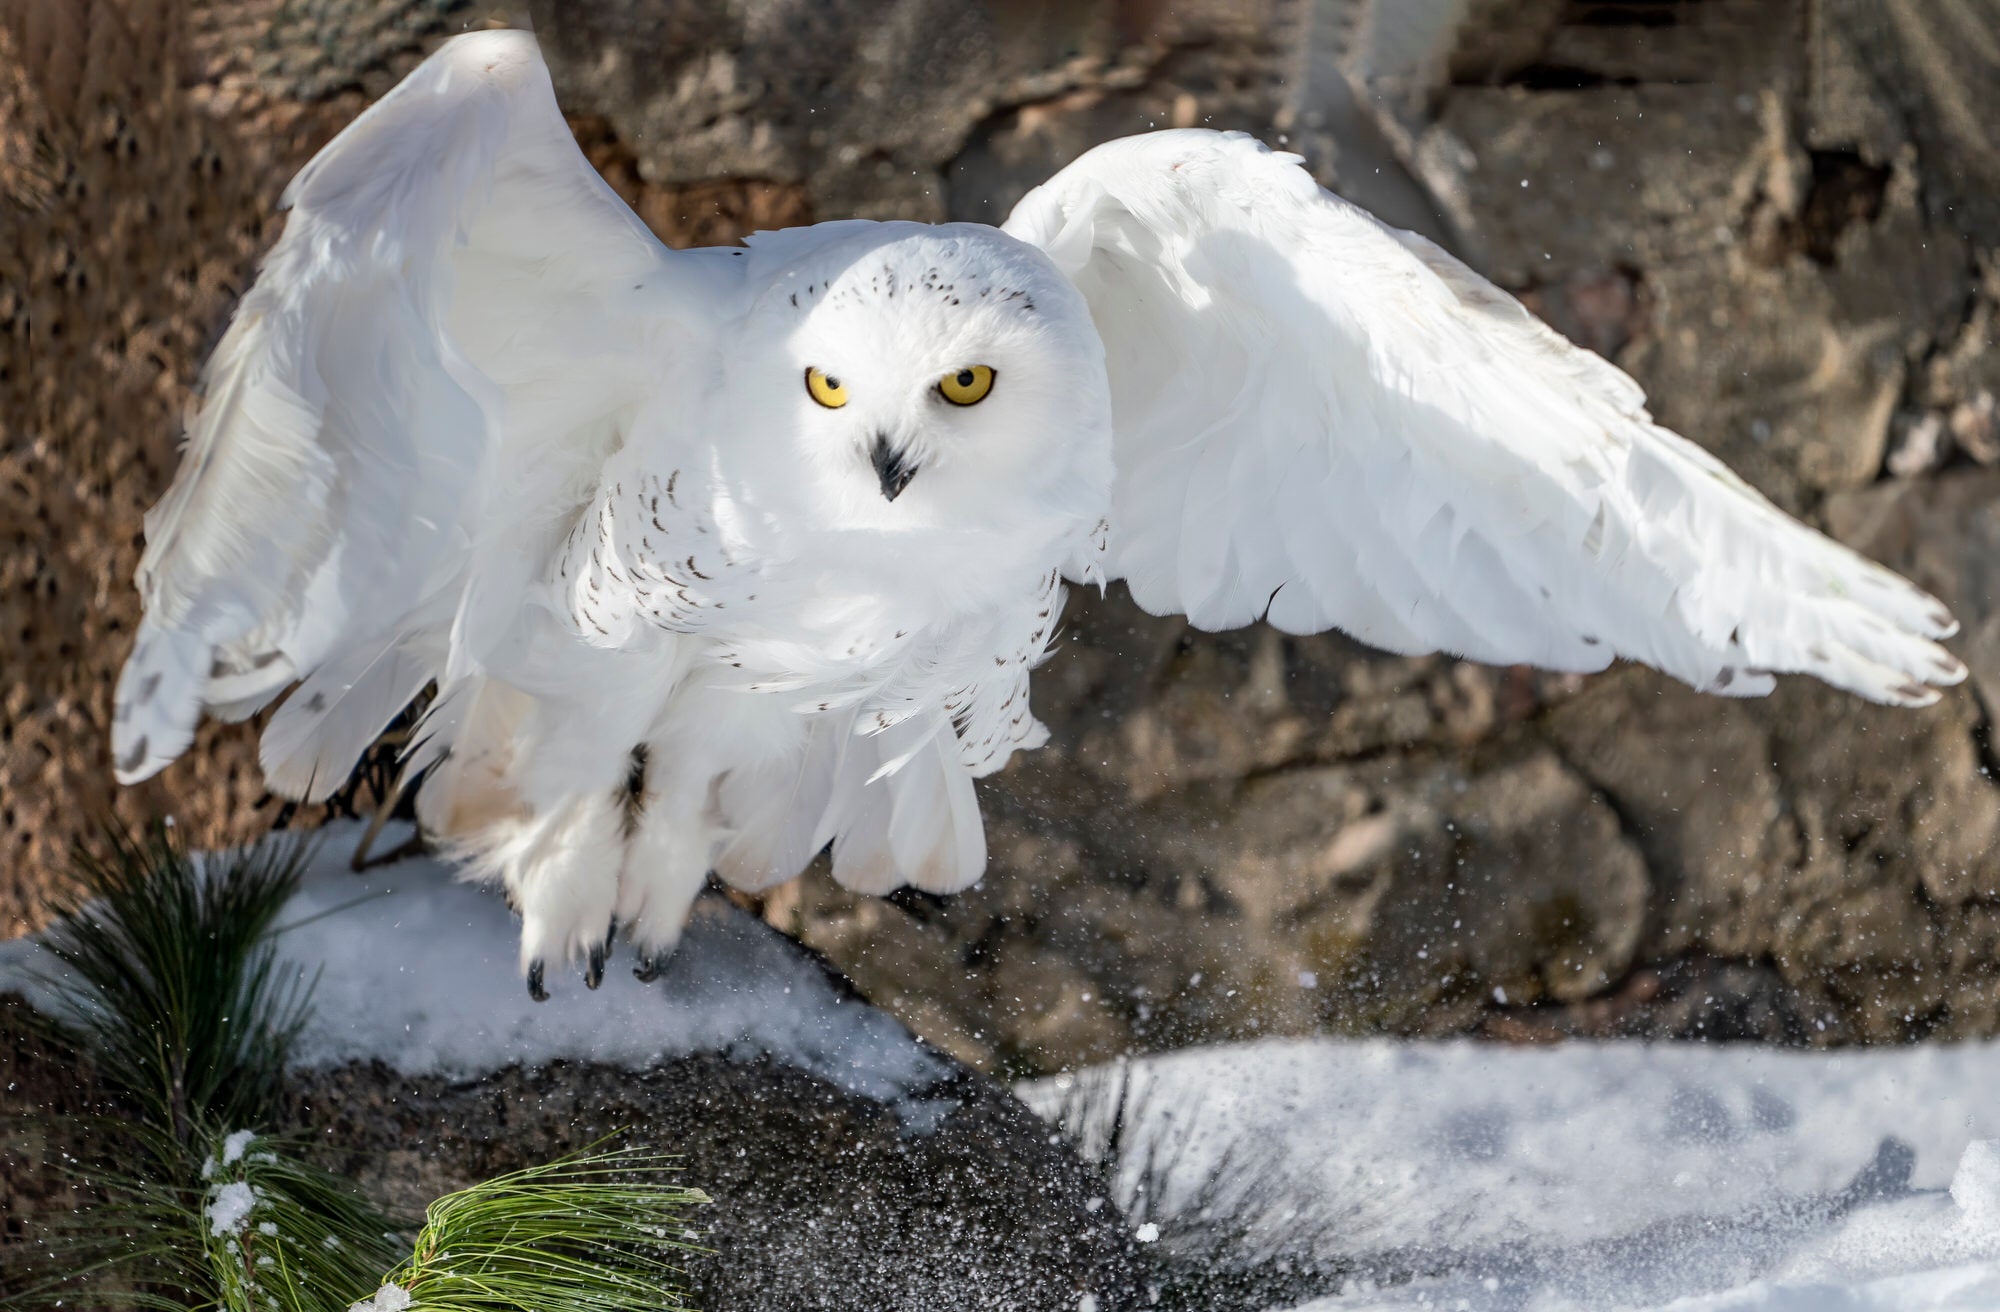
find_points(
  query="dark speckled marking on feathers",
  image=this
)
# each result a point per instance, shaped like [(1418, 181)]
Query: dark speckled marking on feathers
[(677, 594)]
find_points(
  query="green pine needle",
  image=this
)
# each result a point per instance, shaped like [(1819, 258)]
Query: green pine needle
[(130, 1249), (599, 1231), (175, 992)]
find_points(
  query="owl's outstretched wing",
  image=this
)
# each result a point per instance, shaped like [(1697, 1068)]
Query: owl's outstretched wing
[(1329, 423), (431, 354)]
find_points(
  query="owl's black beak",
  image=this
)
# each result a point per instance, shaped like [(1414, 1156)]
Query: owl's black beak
[(891, 467)]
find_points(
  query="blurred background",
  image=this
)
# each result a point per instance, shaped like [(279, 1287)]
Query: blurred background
[(1781, 216)]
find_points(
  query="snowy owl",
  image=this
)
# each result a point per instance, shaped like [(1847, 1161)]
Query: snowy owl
[(717, 557)]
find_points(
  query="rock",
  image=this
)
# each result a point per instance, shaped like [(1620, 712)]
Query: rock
[(45, 1102), (821, 1198), (847, 1164), (865, 106), (1886, 76), (1790, 292), (1389, 895)]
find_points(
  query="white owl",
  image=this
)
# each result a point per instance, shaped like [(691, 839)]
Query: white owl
[(717, 557)]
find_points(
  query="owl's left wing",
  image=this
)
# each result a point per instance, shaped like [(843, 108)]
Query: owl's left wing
[(1328, 423)]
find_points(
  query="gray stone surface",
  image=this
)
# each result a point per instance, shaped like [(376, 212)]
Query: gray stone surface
[(822, 1200)]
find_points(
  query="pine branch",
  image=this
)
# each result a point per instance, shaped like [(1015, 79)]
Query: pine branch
[(173, 989), (277, 1231), (599, 1231)]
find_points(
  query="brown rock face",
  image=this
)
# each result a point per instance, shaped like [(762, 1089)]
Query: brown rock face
[(1761, 211), (1778, 216)]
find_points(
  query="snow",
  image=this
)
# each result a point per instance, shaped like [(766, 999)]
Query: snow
[(1601, 1177), (228, 1206), (390, 1297), (233, 1145), (420, 972)]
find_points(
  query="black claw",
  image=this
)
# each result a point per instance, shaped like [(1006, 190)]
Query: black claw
[(593, 974), (649, 967), (535, 989)]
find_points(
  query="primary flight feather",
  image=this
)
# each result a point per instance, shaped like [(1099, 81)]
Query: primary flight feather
[(785, 526)]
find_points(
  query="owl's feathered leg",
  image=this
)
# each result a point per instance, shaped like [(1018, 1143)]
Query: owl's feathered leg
[(707, 733), (522, 798), (669, 848), (560, 868), (666, 867)]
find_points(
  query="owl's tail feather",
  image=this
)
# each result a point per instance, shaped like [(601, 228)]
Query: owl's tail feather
[(927, 832), (773, 811), (898, 807)]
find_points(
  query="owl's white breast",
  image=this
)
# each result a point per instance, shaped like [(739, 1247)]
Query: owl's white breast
[(850, 604)]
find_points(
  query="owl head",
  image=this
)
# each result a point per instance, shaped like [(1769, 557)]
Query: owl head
[(925, 376)]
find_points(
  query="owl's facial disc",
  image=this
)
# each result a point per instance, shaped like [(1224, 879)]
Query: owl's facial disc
[(925, 378)]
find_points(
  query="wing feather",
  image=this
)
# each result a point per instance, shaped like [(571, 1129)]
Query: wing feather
[(331, 719), (1332, 424), (432, 358)]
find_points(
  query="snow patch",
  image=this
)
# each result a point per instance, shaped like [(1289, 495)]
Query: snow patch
[(1619, 1177), (234, 1144), (1975, 1186), (420, 972)]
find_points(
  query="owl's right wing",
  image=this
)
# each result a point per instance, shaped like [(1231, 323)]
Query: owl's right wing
[(1327, 423), (435, 352)]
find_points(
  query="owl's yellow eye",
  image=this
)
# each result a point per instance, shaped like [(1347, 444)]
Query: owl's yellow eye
[(825, 389), (968, 386)]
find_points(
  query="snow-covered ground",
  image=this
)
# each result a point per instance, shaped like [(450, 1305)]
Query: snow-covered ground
[(420, 971), (1594, 1177), (1579, 1178)]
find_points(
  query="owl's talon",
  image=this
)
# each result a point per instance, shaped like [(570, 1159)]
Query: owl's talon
[(535, 988), (649, 967), (593, 974)]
